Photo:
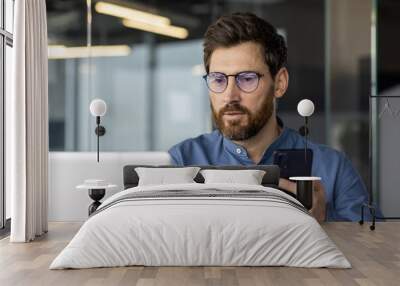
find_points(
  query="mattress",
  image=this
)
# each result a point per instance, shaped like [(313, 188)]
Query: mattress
[(201, 225)]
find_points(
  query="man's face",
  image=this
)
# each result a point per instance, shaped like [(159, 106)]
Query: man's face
[(240, 115)]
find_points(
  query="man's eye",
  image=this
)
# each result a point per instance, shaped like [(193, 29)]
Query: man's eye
[(247, 77), (218, 80)]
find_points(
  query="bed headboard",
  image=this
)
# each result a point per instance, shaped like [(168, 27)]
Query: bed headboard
[(270, 179)]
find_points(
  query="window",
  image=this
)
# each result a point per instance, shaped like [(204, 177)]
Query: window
[(6, 43)]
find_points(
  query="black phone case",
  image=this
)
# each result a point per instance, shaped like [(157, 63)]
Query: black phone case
[(293, 162)]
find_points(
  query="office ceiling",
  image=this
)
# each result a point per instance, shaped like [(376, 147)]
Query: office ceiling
[(67, 21), (67, 18)]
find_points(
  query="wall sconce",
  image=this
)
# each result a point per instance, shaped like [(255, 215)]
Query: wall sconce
[(304, 185), (98, 108), (305, 108)]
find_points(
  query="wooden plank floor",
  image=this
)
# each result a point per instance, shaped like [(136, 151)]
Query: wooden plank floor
[(375, 256)]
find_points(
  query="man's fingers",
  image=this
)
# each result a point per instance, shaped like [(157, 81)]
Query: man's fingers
[(287, 185), (319, 209), (318, 193), (317, 213)]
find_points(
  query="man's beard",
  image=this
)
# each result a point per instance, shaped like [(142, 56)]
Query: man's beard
[(234, 129)]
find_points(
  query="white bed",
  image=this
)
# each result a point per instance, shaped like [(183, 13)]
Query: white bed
[(250, 225)]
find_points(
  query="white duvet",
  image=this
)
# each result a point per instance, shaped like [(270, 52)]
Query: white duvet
[(226, 231)]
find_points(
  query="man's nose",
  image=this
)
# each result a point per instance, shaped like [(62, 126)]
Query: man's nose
[(232, 91)]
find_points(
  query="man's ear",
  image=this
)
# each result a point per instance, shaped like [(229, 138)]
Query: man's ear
[(281, 82)]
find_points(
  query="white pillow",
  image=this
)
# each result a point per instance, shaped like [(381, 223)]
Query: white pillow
[(248, 177), (162, 176)]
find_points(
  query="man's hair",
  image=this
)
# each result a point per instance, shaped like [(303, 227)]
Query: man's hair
[(238, 28)]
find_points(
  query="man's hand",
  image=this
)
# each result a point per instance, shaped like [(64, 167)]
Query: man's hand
[(318, 209)]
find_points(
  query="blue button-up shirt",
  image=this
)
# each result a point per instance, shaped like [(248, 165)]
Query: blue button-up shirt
[(345, 191)]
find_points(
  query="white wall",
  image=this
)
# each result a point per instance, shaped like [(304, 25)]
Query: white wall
[(69, 169)]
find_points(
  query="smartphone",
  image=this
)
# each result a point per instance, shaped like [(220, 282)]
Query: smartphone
[(293, 162)]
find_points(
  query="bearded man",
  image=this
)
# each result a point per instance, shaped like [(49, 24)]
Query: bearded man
[(245, 59)]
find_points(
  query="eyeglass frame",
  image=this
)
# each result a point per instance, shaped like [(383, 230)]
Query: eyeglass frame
[(259, 75)]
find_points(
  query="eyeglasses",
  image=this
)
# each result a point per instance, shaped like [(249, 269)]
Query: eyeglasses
[(247, 81)]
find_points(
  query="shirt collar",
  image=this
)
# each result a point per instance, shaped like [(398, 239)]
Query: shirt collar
[(241, 152)]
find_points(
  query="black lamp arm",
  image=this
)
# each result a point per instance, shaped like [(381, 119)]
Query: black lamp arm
[(306, 136), (98, 136)]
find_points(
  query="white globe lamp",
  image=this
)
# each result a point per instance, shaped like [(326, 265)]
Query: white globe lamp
[(98, 108)]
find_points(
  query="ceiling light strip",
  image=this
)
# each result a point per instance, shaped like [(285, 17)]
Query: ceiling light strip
[(171, 31), (63, 52), (130, 13)]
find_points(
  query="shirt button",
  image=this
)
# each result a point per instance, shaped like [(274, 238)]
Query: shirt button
[(238, 151)]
